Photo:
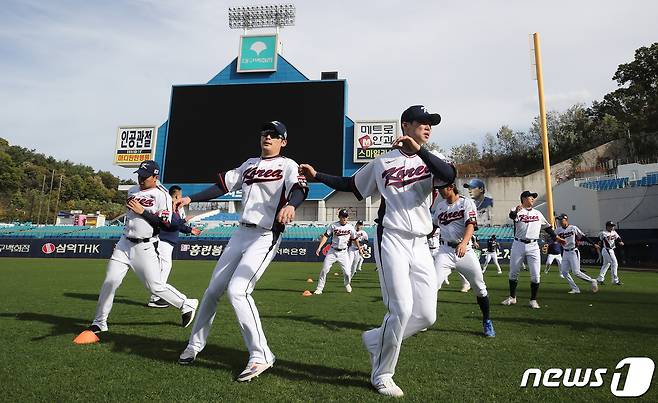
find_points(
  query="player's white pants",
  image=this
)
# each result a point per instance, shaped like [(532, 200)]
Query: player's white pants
[(356, 262), (488, 258), (165, 252), (435, 256), (467, 266), (571, 261), (240, 266), (408, 282), (333, 256), (609, 261), (144, 260), (528, 252), (551, 258)]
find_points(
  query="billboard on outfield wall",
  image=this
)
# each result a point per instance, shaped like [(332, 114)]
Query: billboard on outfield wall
[(134, 145), (373, 138)]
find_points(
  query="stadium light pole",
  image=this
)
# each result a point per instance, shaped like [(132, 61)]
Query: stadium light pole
[(266, 16), (544, 129)]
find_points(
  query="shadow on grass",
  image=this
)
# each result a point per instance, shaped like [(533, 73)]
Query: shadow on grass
[(94, 297), (213, 357), (332, 325), (582, 326)]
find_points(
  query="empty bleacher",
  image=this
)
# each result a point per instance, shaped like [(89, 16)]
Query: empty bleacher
[(602, 184)]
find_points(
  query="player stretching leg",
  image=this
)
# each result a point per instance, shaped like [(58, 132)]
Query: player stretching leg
[(356, 250), (342, 233), (149, 210), (493, 247), (571, 258), (271, 191), (404, 177), (554, 252), (168, 241), (527, 224), (609, 239), (456, 217)]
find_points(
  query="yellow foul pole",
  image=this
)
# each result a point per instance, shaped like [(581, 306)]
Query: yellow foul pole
[(544, 131)]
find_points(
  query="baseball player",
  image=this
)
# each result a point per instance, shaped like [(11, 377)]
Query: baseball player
[(342, 234), (149, 210), (493, 247), (554, 254), (168, 241), (457, 219), (356, 251), (404, 177), (271, 191), (609, 240), (527, 224), (484, 204), (571, 257)]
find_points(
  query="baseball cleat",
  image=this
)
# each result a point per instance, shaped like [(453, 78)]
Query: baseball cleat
[(97, 329), (446, 282), (189, 310), (561, 275), (158, 303), (509, 301), (465, 288), (489, 329), (499, 272), (574, 291), (252, 370), (187, 357), (618, 283), (388, 388), (348, 288), (601, 282), (533, 304), (595, 286), (317, 292)]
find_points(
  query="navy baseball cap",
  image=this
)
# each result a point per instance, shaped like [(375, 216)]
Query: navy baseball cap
[(419, 113), (343, 213), (148, 168), (275, 127), (359, 222), (474, 183), (562, 216), (527, 193), (610, 224)]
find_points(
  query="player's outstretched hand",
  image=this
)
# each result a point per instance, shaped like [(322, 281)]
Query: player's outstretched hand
[(196, 231), (307, 170), (134, 205), (561, 240), (406, 142), (519, 207), (183, 201), (286, 215), (461, 249), (317, 252)]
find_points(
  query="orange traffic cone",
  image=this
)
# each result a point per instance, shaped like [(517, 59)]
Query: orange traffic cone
[(86, 337), (309, 280), (307, 293)]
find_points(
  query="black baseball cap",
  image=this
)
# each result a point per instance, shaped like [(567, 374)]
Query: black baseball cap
[(359, 222), (275, 127), (610, 224), (562, 216), (148, 168), (343, 213), (527, 193), (419, 113)]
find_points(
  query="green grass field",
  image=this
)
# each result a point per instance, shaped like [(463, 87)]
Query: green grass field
[(45, 303)]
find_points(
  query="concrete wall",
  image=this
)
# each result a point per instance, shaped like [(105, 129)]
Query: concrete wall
[(635, 171), (581, 205), (631, 208)]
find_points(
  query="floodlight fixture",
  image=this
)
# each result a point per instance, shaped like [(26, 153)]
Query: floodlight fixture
[(251, 17)]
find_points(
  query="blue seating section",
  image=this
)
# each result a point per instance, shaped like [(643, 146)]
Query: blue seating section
[(223, 217), (220, 232), (651, 179)]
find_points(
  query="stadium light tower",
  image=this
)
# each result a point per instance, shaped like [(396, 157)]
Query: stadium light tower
[(271, 16)]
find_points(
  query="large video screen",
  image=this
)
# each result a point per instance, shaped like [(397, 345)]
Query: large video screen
[(214, 128)]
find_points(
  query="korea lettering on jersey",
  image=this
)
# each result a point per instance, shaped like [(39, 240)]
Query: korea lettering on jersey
[(528, 224), (154, 200), (405, 183), (453, 218), (360, 236), (265, 185), (609, 238), (569, 234), (341, 235)]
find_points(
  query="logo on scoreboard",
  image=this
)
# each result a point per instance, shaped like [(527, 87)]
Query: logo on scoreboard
[(373, 138)]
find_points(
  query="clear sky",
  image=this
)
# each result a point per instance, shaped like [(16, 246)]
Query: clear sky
[(72, 71)]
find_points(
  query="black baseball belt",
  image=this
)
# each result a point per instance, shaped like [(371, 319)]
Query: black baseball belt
[(525, 240), (338, 250), (569, 249), (449, 243), (140, 240)]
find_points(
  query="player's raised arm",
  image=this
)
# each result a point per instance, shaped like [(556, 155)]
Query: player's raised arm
[(362, 184)]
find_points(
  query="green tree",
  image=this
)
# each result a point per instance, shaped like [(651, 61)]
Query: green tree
[(465, 153)]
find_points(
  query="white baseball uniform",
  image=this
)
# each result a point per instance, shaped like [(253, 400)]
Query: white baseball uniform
[(266, 184), (609, 240), (341, 237), (452, 219), (406, 271), (527, 225), (355, 256), (491, 254), (138, 249), (571, 255)]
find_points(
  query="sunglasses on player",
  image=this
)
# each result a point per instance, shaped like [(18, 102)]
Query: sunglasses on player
[(272, 134)]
